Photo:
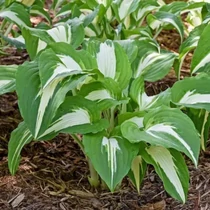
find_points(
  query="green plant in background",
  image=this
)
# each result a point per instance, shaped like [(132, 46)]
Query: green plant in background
[(86, 78), (17, 13)]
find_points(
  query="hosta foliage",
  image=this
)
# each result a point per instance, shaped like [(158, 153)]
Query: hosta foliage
[(87, 78), (81, 91)]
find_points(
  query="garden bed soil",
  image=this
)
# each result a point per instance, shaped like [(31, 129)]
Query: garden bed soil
[(54, 174)]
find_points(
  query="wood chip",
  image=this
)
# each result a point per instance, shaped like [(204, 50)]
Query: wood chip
[(96, 203), (18, 200), (161, 205)]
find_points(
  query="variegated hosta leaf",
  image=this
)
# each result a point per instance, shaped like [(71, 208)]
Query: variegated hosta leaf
[(90, 18), (63, 73), (38, 10), (27, 78), (92, 30), (45, 100), (201, 56), (137, 171), (111, 157), (192, 92), (64, 61), (65, 10), (136, 33), (70, 34), (165, 127), (76, 115), (189, 44), (44, 117), (144, 101), (102, 11), (31, 43), (77, 32), (17, 42), (130, 48), (145, 7), (171, 168), (175, 7), (136, 117), (146, 45), (160, 19), (93, 22), (112, 61), (106, 93), (151, 63), (123, 8), (17, 14), (7, 78), (19, 138)]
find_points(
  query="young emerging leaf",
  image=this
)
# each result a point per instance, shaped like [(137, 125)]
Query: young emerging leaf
[(111, 157), (138, 171)]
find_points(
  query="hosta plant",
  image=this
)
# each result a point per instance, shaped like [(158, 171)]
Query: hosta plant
[(82, 83), (96, 94)]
